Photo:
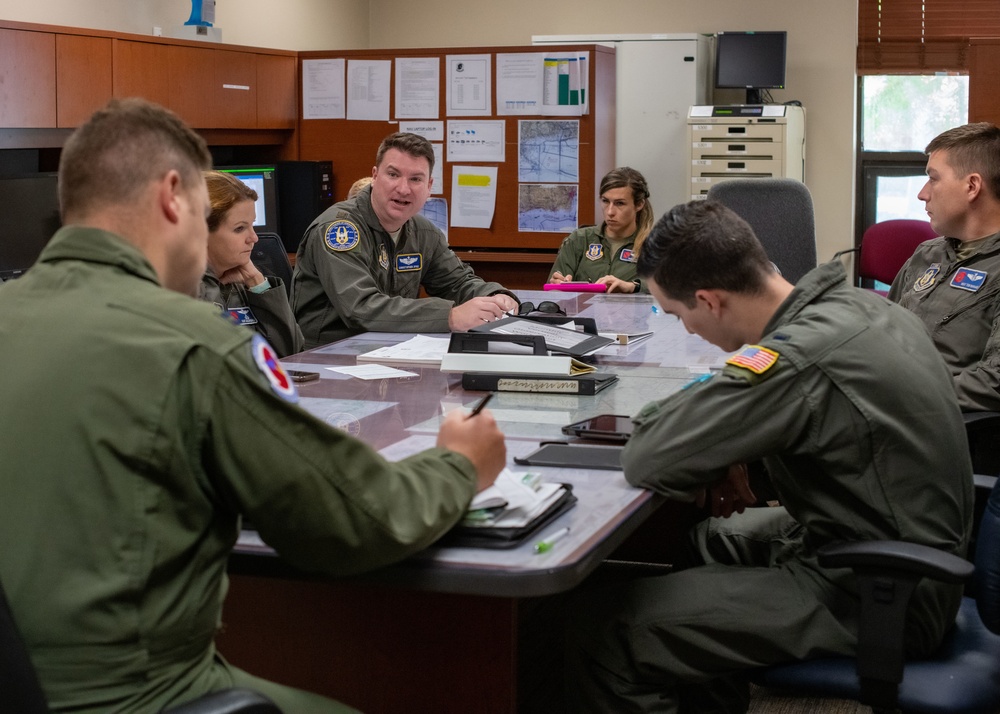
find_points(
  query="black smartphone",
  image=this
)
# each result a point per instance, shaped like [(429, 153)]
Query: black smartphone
[(607, 427), (298, 376)]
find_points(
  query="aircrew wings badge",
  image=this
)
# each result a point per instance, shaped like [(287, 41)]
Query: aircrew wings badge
[(755, 358), (341, 236)]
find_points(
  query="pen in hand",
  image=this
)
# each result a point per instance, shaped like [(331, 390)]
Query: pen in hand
[(544, 546), (479, 405)]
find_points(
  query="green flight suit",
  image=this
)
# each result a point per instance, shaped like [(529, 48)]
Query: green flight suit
[(587, 255), (138, 424), (858, 425), (268, 312), (964, 322), (350, 278)]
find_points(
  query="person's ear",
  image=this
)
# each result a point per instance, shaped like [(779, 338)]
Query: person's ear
[(711, 300), (974, 185), (169, 194)]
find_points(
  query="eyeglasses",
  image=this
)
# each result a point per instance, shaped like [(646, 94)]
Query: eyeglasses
[(546, 306)]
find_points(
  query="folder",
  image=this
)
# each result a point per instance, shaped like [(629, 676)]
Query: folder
[(481, 352), (557, 339), (481, 534), (585, 384)]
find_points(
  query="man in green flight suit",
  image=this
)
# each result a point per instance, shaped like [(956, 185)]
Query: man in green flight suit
[(844, 398), (363, 261), (139, 425)]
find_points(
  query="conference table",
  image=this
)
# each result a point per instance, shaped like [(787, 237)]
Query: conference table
[(441, 631)]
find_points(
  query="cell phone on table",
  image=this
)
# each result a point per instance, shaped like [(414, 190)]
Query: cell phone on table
[(606, 427), (300, 376)]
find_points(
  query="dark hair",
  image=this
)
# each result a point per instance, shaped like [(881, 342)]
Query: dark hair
[(224, 192), (972, 148), (702, 245), (111, 158), (412, 144), (627, 177)]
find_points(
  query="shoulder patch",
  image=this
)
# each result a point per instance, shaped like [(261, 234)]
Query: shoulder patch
[(752, 359), (268, 363), (341, 236)]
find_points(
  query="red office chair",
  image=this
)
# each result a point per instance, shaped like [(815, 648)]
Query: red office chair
[(886, 246)]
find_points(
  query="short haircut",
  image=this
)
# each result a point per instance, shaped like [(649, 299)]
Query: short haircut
[(702, 245), (972, 148), (110, 159), (224, 192), (627, 177), (412, 144)]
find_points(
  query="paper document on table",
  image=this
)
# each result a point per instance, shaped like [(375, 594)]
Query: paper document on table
[(372, 371), (418, 350), (512, 501)]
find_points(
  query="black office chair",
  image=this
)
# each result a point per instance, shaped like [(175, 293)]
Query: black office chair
[(21, 692), (271, 258), (780, 211), (963, 676)]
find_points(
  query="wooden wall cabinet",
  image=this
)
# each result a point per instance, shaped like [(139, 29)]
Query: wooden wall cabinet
[(984, 77), (27, 79), (277, 92)]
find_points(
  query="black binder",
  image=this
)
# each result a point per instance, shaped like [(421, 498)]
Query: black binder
[(585, 384)]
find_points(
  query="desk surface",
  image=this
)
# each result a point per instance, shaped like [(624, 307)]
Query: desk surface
[(402, 416)]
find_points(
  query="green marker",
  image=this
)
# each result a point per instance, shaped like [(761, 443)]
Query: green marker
[(544, 546)]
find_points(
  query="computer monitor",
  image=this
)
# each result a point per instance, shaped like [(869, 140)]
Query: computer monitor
[(29, 216), (262, 178), (750, 60)]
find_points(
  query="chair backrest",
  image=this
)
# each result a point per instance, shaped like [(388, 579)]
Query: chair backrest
[(987, 575), (780, 211), (20, 690), (886, 246), (271, 259)]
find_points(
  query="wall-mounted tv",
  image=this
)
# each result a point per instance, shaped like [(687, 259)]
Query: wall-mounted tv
[(262, 178), (750, 60)]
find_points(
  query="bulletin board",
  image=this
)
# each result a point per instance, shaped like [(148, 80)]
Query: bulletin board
[(351, 144)]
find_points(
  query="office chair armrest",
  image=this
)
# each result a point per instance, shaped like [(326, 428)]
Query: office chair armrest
[(228, 701), (845, 251), (898, 556)]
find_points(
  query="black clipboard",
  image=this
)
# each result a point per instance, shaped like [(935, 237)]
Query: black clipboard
[(562, 340)]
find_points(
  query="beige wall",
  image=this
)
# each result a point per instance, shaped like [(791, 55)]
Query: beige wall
[(282, 24), (822, 37)]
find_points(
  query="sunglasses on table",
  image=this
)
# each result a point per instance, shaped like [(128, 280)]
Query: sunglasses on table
[(545, 306)]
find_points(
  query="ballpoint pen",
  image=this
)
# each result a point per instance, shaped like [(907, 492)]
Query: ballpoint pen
[(479, 405), (544, 546)]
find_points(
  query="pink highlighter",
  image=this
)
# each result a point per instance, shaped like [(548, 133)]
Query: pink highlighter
[(577, 287)]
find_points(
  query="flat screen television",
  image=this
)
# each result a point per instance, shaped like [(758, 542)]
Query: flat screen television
[(262, 178), (750, 60), (29, 216)]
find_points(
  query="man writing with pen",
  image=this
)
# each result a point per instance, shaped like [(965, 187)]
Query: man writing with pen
[(362, 263)]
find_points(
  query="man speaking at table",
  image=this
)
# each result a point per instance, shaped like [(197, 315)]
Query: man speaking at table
[(139, 424), (844, 397), (362, 262)]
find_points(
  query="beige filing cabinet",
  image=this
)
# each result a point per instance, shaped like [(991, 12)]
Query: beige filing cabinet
[(744, 141)]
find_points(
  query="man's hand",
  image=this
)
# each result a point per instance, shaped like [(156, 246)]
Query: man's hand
[(479, 310), (478, 439), (616, 285), (558, 277), (246, 274), (730, 495)]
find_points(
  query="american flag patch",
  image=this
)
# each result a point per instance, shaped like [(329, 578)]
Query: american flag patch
[(755, 358)]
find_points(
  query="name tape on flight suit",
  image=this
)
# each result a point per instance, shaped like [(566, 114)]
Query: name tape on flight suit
[(968, 279)]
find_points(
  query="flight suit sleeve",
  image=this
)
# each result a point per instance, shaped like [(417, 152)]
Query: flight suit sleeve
[(978, 387), (568, 257), (688, 440), (322, 499), (445, 276), (275, 318)]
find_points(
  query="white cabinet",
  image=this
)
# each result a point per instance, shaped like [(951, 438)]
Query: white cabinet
[(658, 77), (744, 141)]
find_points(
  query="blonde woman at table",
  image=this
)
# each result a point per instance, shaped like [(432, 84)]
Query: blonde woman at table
[(231, 280), (607, 254)]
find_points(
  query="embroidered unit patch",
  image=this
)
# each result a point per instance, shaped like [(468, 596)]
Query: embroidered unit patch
[(341, 236), (594, 251), (755, 358), (268, 363), (383, 257), (926, 280)]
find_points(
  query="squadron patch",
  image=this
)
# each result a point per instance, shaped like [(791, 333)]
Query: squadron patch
[(407, 262), (628, 255), (926, 280), (968, 279), (341, 236), (267, 361), (755, 358), (594, 251), (383, 257)]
